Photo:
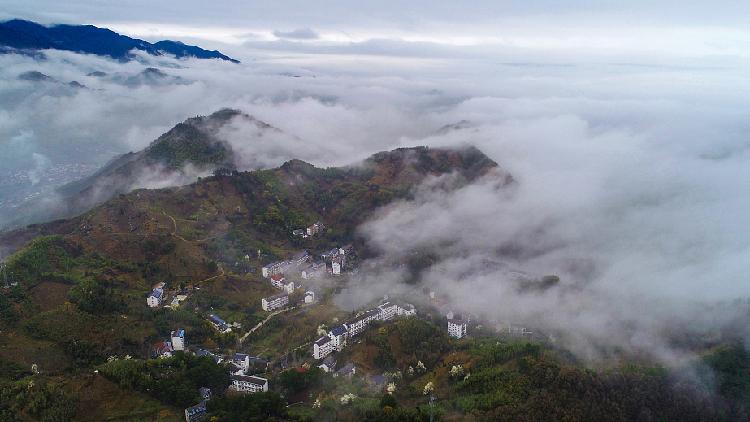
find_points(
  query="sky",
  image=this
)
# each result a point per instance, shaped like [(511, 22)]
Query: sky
[(625, 128)]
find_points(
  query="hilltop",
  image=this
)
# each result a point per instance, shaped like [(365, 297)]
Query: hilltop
[(25, 35), (188, 150)]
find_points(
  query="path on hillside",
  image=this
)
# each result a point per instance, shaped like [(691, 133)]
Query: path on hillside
[(260, 324), (174, 231)]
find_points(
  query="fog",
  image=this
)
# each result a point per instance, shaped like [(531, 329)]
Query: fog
[(629, 150)]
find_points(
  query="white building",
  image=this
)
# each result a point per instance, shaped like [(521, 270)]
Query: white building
[(274, 302), (313, 270), (360, 323), (248, 384), (273, 268), (457, 326), (338, 337), (335, 268), (322, 347), (406, 310), (387, 311), (309, 297), (155, 298), (242, 361), (301, 258), (178, 339), (278, 281)]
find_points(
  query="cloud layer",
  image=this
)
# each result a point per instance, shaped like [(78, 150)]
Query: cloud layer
[(631, 168)]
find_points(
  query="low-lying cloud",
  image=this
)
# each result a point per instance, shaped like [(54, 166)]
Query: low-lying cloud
[(631, 178)]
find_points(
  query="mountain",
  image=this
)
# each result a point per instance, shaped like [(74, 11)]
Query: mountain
[(265, 205), (78, 338), (24, 35), (179, 156)]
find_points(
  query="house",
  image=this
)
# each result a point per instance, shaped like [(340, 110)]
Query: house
[(313, 270), (347, 371), (457, 326), (309, 296), (407, 310), (274, 302), (241, 360), (330, 254), (176, 301), (315, 229), (273, 268), (155, 299), (277, 280), (322, 347), (205, 393), (328, 364), (178, 339), (301, 258), (219, 323), (359, 324), (338, 337), (280, 282), (216, 358), (299, 232), (159, 285), (163, 349), (335, 268), (196, 413), (235, 369), (248, 384)]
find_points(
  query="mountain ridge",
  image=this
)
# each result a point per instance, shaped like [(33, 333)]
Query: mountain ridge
[(23, 35)]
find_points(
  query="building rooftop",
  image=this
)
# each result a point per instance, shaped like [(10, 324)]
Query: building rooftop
[(157, 293), (337, 331), (322, 341), (250, 378), (277, 296)]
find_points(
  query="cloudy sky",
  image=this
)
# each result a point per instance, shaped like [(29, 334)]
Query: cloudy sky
[(625, 127)]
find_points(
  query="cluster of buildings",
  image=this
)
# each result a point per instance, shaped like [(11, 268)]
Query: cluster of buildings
[(238, 374), (239, 366), (175, 343), (337, 337)]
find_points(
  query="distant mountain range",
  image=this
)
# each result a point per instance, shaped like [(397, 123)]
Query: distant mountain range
[(22, 35)]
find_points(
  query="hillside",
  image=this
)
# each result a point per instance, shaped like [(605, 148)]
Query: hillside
[(76, 294), (179, 156), (25, 35)]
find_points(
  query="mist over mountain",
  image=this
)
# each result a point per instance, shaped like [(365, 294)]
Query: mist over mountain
[(568, 179), (26, 35)]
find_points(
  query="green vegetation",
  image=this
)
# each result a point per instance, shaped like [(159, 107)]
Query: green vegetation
[(34, 400), (173, 380), (258, 407)]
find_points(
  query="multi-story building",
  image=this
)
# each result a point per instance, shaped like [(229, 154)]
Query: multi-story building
[(457, 326), (178, 339), (322, 347), (248, 384), (338, 337), (387, 311), (273, 268), (359, 324), (274, 302)]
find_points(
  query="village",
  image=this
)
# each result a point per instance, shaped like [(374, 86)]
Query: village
[(288, 277)]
